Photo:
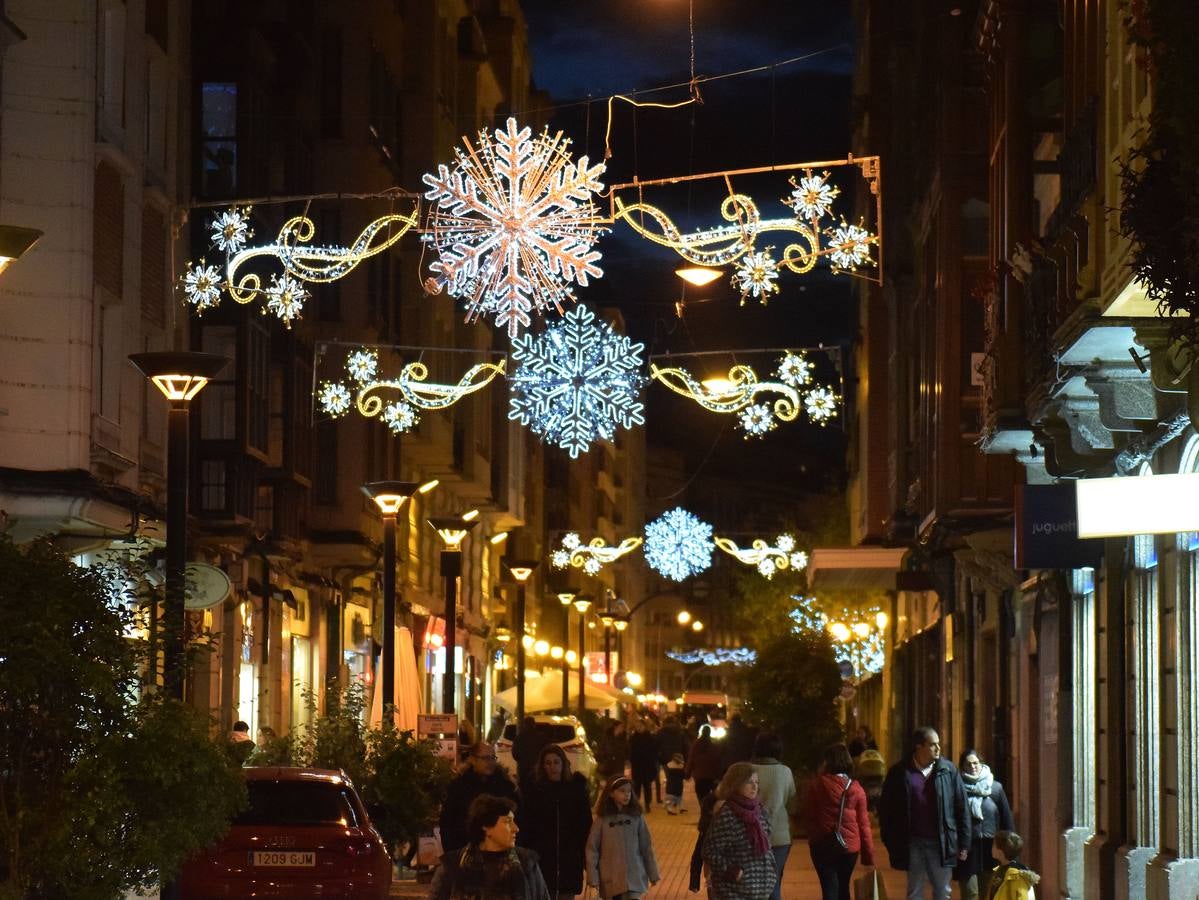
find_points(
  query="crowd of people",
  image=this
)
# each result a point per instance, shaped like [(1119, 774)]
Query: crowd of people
[(538, 835)]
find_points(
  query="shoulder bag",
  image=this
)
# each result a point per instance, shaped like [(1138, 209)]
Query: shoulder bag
[(837, 836)]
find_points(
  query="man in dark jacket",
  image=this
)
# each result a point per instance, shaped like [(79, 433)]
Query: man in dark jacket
[(481, 776), (923, 816)]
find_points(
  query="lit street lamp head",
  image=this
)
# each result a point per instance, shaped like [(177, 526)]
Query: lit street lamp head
[(698, 275), (566, 598), (521, 569), (452, 530), (582, 603), (15, 241), (620, 623), (389, 496), (179, 374)]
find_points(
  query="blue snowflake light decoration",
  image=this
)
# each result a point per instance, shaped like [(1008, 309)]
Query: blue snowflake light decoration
[(678, 545), (577, 382)]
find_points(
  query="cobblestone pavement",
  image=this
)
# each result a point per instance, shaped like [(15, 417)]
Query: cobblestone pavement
[(674, 838)]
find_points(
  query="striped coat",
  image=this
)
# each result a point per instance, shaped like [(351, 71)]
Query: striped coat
[(727, 851)]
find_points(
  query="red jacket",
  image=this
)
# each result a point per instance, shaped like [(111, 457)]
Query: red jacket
[(824, 802)]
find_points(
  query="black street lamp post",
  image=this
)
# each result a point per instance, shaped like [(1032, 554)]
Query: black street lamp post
[(389, 496), (566, 598), (582, 604), (452, 530), (180, 375), (521, 570)]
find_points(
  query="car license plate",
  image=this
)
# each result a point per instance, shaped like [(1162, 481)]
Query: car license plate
[(284, 858)]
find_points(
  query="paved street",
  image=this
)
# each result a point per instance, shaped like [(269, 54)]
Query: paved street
[(674, 838)]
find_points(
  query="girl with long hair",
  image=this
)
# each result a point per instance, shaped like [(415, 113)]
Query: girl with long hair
[(620, 854)]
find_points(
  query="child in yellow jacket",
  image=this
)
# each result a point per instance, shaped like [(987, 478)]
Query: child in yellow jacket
[(1011, 879)]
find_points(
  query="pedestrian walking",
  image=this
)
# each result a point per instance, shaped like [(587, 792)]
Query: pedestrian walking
[(839, 824), (482, 775), (674, 784), (643, 760), (862, 741), (620, 854), (490, 865), (990, 813), (704, 763), (612, 755), (776, 793), (1011, 880), (555, 819), (706, 808), (923, 817), (737, 853), (738, 742)]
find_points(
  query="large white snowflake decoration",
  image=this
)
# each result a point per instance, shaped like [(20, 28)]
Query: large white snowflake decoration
[(757, 276), (821, 404), (513, 224), (849, 246), (231, 229), (202, 286), (285, 298), (813, 196), (577, 382), (678, 545)]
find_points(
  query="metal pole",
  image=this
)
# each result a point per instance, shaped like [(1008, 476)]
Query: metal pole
[(520, 655), (608, 654), (565, 664), (582, 664), (174, 615), (451, 567), (389, 613)]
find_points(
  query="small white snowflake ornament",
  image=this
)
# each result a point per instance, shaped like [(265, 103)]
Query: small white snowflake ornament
[(794, 369), (849, 246), (577, 382), (399, 417), (757, 419), (513, 225), (363, 365), (285, 298), (821, 404), (334, 399)]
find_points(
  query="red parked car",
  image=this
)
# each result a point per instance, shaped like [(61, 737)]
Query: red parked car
[(305, 833)]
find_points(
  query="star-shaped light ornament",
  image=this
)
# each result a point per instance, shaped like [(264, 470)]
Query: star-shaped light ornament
[(285, 298), (757, 276), (363, 365), (334, 399), (202, 286), (794, 369), (821, 404), (513, 225), (400, 417), (231, 229), (849, 246), (813, 196), (757, 420)]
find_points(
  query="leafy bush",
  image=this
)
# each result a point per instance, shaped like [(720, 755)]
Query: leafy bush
[(100, 791)]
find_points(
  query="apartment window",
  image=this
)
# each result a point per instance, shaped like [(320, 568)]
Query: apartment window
[(1084, 635), (112, 360), (213, 488), (218, 400), (324, 488), (154, 265), (264, 508), (110, 57), (218, 146), (1146, 677), (156, 111), (156, 21), (108, 229), (258, 412)]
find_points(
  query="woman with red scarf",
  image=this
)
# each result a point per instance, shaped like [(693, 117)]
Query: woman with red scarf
[(838, 824), (737, 853)]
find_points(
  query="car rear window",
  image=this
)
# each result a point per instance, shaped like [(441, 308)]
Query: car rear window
[(298, 803), (559, 734)]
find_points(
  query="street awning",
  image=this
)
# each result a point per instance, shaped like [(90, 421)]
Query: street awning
[(855, 568), (545, 693)]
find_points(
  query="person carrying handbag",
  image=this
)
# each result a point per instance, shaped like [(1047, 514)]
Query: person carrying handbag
[(839, 824)]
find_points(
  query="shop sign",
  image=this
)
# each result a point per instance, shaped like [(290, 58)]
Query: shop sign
[(1047, 532)]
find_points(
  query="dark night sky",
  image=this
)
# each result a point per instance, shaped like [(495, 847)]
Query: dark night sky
[(793, 113)]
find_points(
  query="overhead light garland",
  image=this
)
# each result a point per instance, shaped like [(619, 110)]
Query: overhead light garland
[(857, 635), (415, 392), (678, 544), (285, 295), (592, 556), (718, 656), (739, 393), (812, 229), (576, 382), (513, 223), (767, 558)]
